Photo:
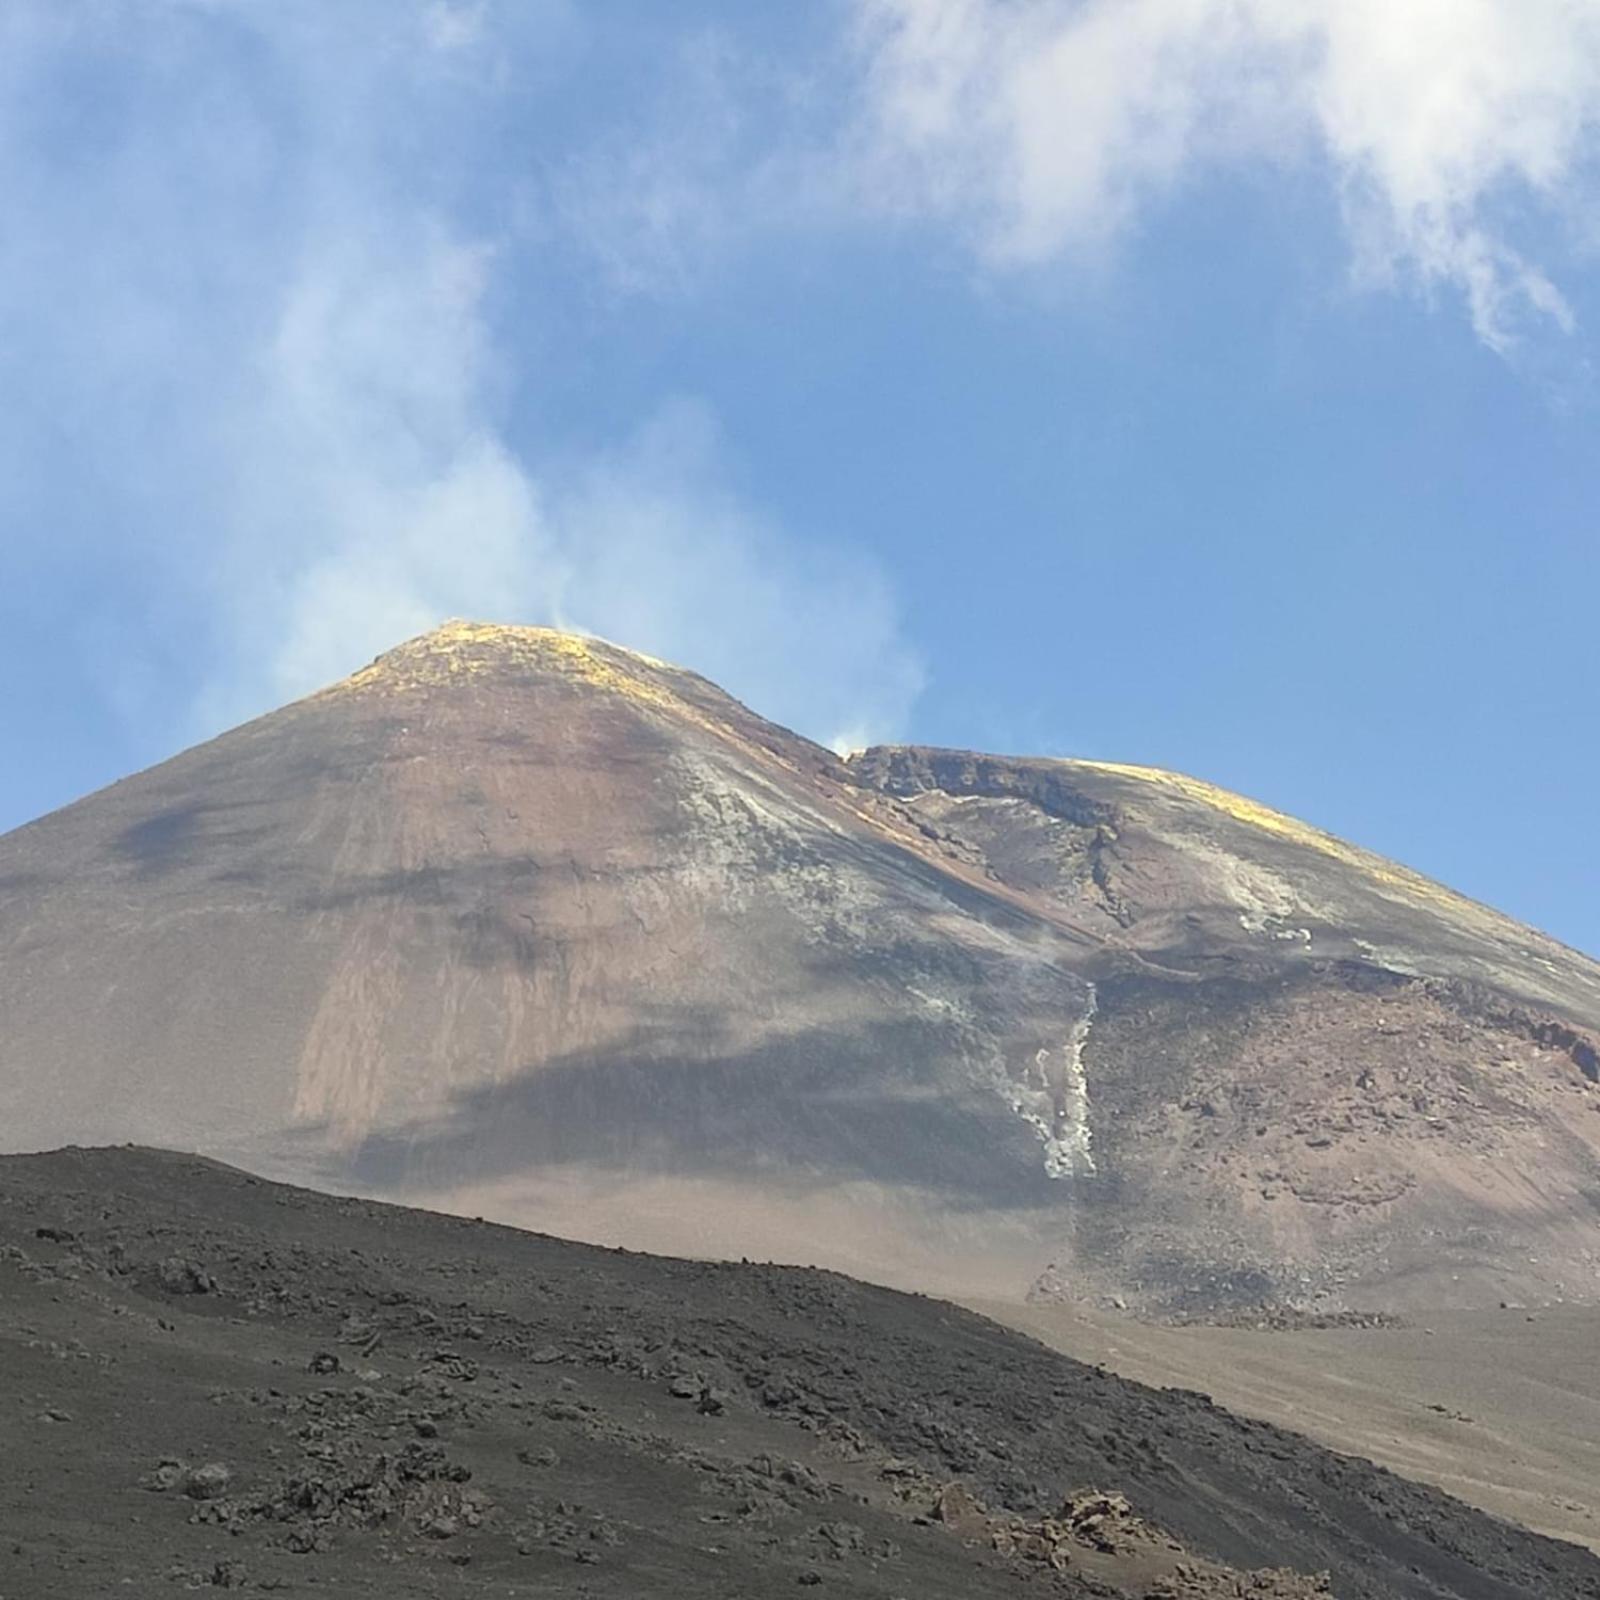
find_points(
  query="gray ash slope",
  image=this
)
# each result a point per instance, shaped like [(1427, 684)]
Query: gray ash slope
[(525, 925), (413, 1405)]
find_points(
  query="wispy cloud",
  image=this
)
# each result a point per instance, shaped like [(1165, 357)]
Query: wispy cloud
[(256, 308), (1048, 128)]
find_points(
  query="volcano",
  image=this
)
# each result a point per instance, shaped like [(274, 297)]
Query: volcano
[(520, 924)]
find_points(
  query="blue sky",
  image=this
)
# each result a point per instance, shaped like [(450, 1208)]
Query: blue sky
[(1206, 383)]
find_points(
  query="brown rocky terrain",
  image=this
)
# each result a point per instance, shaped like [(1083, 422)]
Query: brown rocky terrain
[(520, 924), (1499, 1407), (211, 1382)]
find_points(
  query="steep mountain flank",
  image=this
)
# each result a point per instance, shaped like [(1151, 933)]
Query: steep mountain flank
[(1300, 1050), (525, 925)]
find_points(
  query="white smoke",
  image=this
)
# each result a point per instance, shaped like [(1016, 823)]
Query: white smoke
[(1046, 128), (264, 276)]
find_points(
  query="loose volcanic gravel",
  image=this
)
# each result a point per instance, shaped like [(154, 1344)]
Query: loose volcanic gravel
[(209, 1381)]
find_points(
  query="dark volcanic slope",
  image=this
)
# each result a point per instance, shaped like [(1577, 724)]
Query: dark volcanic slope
[(409, 1405), (526, 925)]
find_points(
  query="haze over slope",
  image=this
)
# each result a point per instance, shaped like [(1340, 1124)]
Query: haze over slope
[(527, 925)]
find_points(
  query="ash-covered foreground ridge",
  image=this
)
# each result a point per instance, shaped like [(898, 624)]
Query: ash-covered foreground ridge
[(212, 1382), (525, 925)]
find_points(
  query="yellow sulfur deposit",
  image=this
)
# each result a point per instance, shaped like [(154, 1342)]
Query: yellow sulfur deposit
[(1388, 875), (461, 650), (457, 652)]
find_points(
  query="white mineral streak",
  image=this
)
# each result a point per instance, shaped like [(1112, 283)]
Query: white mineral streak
[(747, 847), (1076, 1145), (1268, 903), (1390, 957), (1053, 1099), (740, 847)]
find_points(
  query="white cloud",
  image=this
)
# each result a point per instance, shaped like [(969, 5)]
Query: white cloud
[(259, 288), (1047, 127)]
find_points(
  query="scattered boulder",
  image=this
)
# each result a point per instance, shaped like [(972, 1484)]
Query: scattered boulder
[(956, 1508), (783, 1476), (1104, 1522), (359, 1330), (842, 1538), (1193, 1580), (167, 1475), (450, 1364), (209, 1482), (179, 1275)]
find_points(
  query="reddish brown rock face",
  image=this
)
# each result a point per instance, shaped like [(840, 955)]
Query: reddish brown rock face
[(532, 927)]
